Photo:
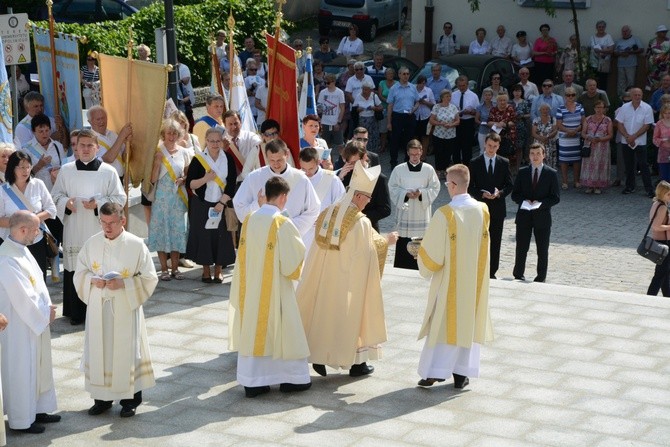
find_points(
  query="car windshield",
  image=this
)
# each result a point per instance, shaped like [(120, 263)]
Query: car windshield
[(346, 3)]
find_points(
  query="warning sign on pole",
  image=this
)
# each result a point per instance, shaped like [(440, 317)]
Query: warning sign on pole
[(15, 38)]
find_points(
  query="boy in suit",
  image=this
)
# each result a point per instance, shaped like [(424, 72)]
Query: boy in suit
[(491, 182), (536, 191)]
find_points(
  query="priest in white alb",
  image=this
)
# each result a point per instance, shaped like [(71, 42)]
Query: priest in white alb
[(454, 254), (27, 374), (263, 318), (303, 204), (413, 187), (80, 189), (340, 295), (115, 276)]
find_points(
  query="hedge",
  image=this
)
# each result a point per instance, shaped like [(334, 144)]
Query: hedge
[(194, 26)]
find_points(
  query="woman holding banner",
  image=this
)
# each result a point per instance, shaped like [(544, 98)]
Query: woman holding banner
[(212, 177), (167, 228)]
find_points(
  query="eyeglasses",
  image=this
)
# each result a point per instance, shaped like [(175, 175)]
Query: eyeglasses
[(90, 58), (270, 134), (361, 139), (547, 85)]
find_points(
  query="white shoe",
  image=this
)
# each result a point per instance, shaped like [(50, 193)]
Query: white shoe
[(187, 263)]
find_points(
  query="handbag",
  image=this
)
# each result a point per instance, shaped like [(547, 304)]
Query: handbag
[(649, 248), (379, 115), (232, 224), (506, 148), (52, 245), (586, 150)]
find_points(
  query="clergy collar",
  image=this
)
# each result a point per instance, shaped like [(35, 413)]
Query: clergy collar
[(92, 165), (415, 168)]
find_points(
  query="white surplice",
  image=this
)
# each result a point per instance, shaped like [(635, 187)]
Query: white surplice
[(27, 374), (414, 214), (116, 359)]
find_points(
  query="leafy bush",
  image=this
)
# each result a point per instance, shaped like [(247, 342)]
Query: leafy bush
[(195, 23)]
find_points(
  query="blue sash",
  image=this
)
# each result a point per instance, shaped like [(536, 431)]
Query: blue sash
[(209, 120), (20, 205)]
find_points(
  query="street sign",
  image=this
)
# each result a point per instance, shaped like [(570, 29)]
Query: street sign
[(15, 38)]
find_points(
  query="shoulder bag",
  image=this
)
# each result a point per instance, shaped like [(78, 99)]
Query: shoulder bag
[(649, 248)]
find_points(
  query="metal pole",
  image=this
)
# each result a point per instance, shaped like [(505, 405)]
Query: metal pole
[(171, 43), (15, 89)]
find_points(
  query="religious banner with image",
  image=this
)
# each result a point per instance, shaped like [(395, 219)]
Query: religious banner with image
[(5, 101), (67, 76)]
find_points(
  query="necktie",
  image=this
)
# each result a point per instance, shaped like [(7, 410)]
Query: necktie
[(535, 175), (490, 171), (460, 103)]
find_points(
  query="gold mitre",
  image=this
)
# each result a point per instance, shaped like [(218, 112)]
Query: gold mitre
[(364, 180)]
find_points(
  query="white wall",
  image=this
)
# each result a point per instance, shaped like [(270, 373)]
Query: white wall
[(643, 16)]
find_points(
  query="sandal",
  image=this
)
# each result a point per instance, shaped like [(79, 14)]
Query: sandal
[(177, 275), (218, 279), (165, 276)]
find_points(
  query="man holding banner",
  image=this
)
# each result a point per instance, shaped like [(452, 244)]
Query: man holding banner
[(238, 142), (113, 145)]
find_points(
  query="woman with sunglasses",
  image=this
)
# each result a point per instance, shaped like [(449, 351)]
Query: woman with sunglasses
[(570, 122), (90, 81), (351, 45), (495, 77)]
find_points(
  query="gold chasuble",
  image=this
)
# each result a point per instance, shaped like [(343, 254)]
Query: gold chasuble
[(340, 296), (454, 253), (263, 317)]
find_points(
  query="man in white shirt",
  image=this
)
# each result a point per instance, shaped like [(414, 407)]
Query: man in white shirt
[(252, 82), (467, 101), (238, 142), (447, 44), (633, 121), (33, 103), (501, 45), (355, 83), (530, 90), (303, 204), (112, 146)]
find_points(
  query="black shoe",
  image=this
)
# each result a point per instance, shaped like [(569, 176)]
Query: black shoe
[(320, 369), (429, 381), (291, 387), (539, 279), (34, 429), (206, 279), (460, 382), (492, 277), (362, 369), (520, 278), (627, 191), (253, 391), (127, 412), (99, 408), (44, 418), (76, 321)]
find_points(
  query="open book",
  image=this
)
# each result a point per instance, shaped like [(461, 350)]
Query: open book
[(108, 276), (528, 206)]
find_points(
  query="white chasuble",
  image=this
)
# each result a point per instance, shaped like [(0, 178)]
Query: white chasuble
[(27, 374), (116, 359), (263, 318)]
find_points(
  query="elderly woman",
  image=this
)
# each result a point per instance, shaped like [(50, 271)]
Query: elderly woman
[(422, 113), (570, 123), (544, 131), (6, 149), (167, 228), (522, 108), (662, 142), (480, 45), (351, 45), (47, 155), (502, 119), (482, 117), (21, 192), (544, 55), (658, 57), (602, 47), (660, 232), (522, 51), (383, 92), (143, 53), (212, 177), (188, 141), (496, 88), (367, 103), (444, 118), (597, 133), (568, 58)]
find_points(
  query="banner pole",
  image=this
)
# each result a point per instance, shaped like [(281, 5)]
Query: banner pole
[(275, 44), (126, 158)]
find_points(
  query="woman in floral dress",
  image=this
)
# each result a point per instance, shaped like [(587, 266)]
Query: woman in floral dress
[(597, 131)]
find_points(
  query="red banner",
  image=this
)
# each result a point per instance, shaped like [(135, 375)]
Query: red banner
[(283, 93)]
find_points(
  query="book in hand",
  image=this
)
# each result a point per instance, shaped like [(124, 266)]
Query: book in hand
[(214, 218), (108, 276), (530, 206)]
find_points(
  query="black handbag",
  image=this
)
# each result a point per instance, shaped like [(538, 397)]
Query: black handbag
[(506, 148), (586, 150), (649, 248)]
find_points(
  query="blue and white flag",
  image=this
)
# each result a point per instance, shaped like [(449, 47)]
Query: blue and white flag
[(68, 78), (5, 101), (238, 96), (307, 104)]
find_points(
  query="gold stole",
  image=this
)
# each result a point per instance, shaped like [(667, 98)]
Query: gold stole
[(173, 175), (104, 144), (205, 164), (481, 267), (266, 284)]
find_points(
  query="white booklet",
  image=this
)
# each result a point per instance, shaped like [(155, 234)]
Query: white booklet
[(108, 276), (529, 206), (213, 220)]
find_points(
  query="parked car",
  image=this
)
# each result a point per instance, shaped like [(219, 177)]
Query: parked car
[(339, 64), (476, 67), (368, 15), (87, 11)]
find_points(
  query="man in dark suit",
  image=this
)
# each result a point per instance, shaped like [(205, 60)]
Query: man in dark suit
[(379, 206), (536, 191), (360, 135), (491, 182)]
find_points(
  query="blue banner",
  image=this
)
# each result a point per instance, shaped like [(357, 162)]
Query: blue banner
[(307, 104), (5, 101), (67, 76)]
